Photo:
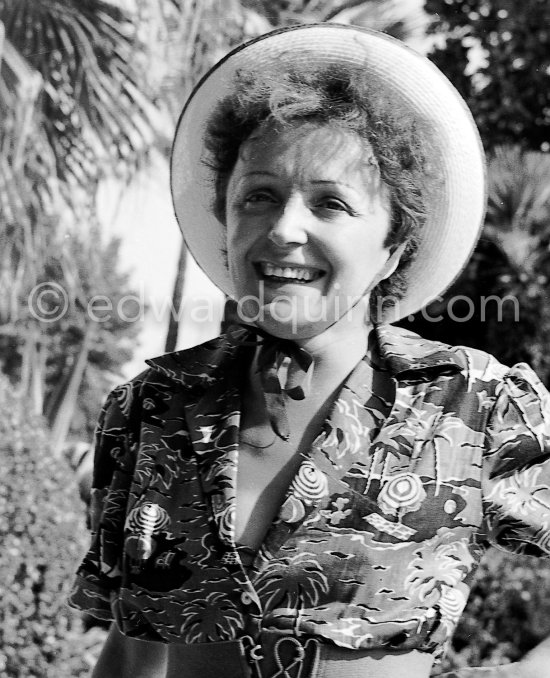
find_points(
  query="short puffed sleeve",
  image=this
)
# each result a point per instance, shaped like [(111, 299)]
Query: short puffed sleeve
[(99, 575), (516, 475)]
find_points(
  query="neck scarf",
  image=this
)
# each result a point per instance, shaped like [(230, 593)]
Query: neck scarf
[(285, 370)]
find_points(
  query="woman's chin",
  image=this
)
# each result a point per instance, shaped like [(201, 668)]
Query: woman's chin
[(294, 330), (285, 323), (290, 321)]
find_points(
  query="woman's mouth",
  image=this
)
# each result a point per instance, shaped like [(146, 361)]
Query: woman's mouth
[(295, 274)]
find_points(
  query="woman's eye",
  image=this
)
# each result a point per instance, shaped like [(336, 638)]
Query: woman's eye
[(334, 204), (258, 197)]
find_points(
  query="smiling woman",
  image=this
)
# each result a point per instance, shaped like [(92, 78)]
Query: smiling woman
[(340, 97), (309, 495), (308, 228)]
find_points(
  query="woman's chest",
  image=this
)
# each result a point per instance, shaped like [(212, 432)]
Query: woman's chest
[(263, 478), (396, 503), (418, 465), (266, 464)]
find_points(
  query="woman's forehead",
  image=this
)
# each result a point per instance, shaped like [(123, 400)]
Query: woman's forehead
[(306, 146)]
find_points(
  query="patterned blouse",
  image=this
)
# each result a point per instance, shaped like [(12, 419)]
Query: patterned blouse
[(381, 530)]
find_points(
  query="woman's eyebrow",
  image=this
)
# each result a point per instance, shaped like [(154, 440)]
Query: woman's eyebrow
[(262, 173), (330, 182), (251, 174)]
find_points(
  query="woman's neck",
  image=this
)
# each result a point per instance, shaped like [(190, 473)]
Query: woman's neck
[(335, 353)]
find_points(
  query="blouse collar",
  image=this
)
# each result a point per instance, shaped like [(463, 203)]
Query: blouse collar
[(406, 355)]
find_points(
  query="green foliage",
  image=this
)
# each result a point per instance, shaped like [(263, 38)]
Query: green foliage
[(114, 319), (401, 20), (42, 535), (508, 612), (76, 106), (509, 93)]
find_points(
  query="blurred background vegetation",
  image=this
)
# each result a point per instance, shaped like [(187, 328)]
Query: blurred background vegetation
[(89, 89)]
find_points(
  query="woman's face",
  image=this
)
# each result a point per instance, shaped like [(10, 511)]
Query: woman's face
[(307, 216)]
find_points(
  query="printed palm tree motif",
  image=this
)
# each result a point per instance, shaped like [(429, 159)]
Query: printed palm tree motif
[(431, 423), (533, 403), (443, 560), (210, 619), (417, 423), (296, 582), (519, 495), (357, 432)]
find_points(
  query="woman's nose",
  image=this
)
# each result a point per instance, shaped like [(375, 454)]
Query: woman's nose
[(290, 227)]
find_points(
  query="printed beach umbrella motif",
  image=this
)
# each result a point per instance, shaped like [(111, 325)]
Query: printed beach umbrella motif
[(402, 492), (144, 522), (451, 605), (308, 487)]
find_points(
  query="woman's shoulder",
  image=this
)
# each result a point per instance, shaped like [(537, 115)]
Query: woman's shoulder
[(196, 367), (413, 358), (411, 355)]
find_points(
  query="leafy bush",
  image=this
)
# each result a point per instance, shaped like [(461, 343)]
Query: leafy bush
[(42, 535), (507, 614)]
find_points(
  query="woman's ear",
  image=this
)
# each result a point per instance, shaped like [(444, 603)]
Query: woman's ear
[(392, 262)]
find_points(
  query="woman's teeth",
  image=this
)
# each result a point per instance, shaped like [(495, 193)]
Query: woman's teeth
[(289, 273)]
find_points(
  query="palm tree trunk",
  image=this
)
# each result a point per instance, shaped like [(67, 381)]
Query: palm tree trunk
[(31, 384), (177, 296), (62, 419)]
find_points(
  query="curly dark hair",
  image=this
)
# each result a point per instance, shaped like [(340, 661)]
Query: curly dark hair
[(337, 94)]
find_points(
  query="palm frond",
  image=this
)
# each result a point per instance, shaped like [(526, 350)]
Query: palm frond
[(402, 21), (87, 54), (518, 213)]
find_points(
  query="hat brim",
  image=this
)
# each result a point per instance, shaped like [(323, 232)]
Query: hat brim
[(455, 209)]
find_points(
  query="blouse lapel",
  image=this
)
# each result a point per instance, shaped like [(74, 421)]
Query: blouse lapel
[(356, 421), (212, 413), (213, 423), (347, 433)]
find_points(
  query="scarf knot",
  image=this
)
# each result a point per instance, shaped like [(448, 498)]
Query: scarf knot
[(285, 370)]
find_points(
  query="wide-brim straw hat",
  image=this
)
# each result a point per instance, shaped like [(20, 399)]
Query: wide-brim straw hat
[(455, 209)]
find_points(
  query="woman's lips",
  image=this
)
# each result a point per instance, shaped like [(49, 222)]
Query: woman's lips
[(288, 273)]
